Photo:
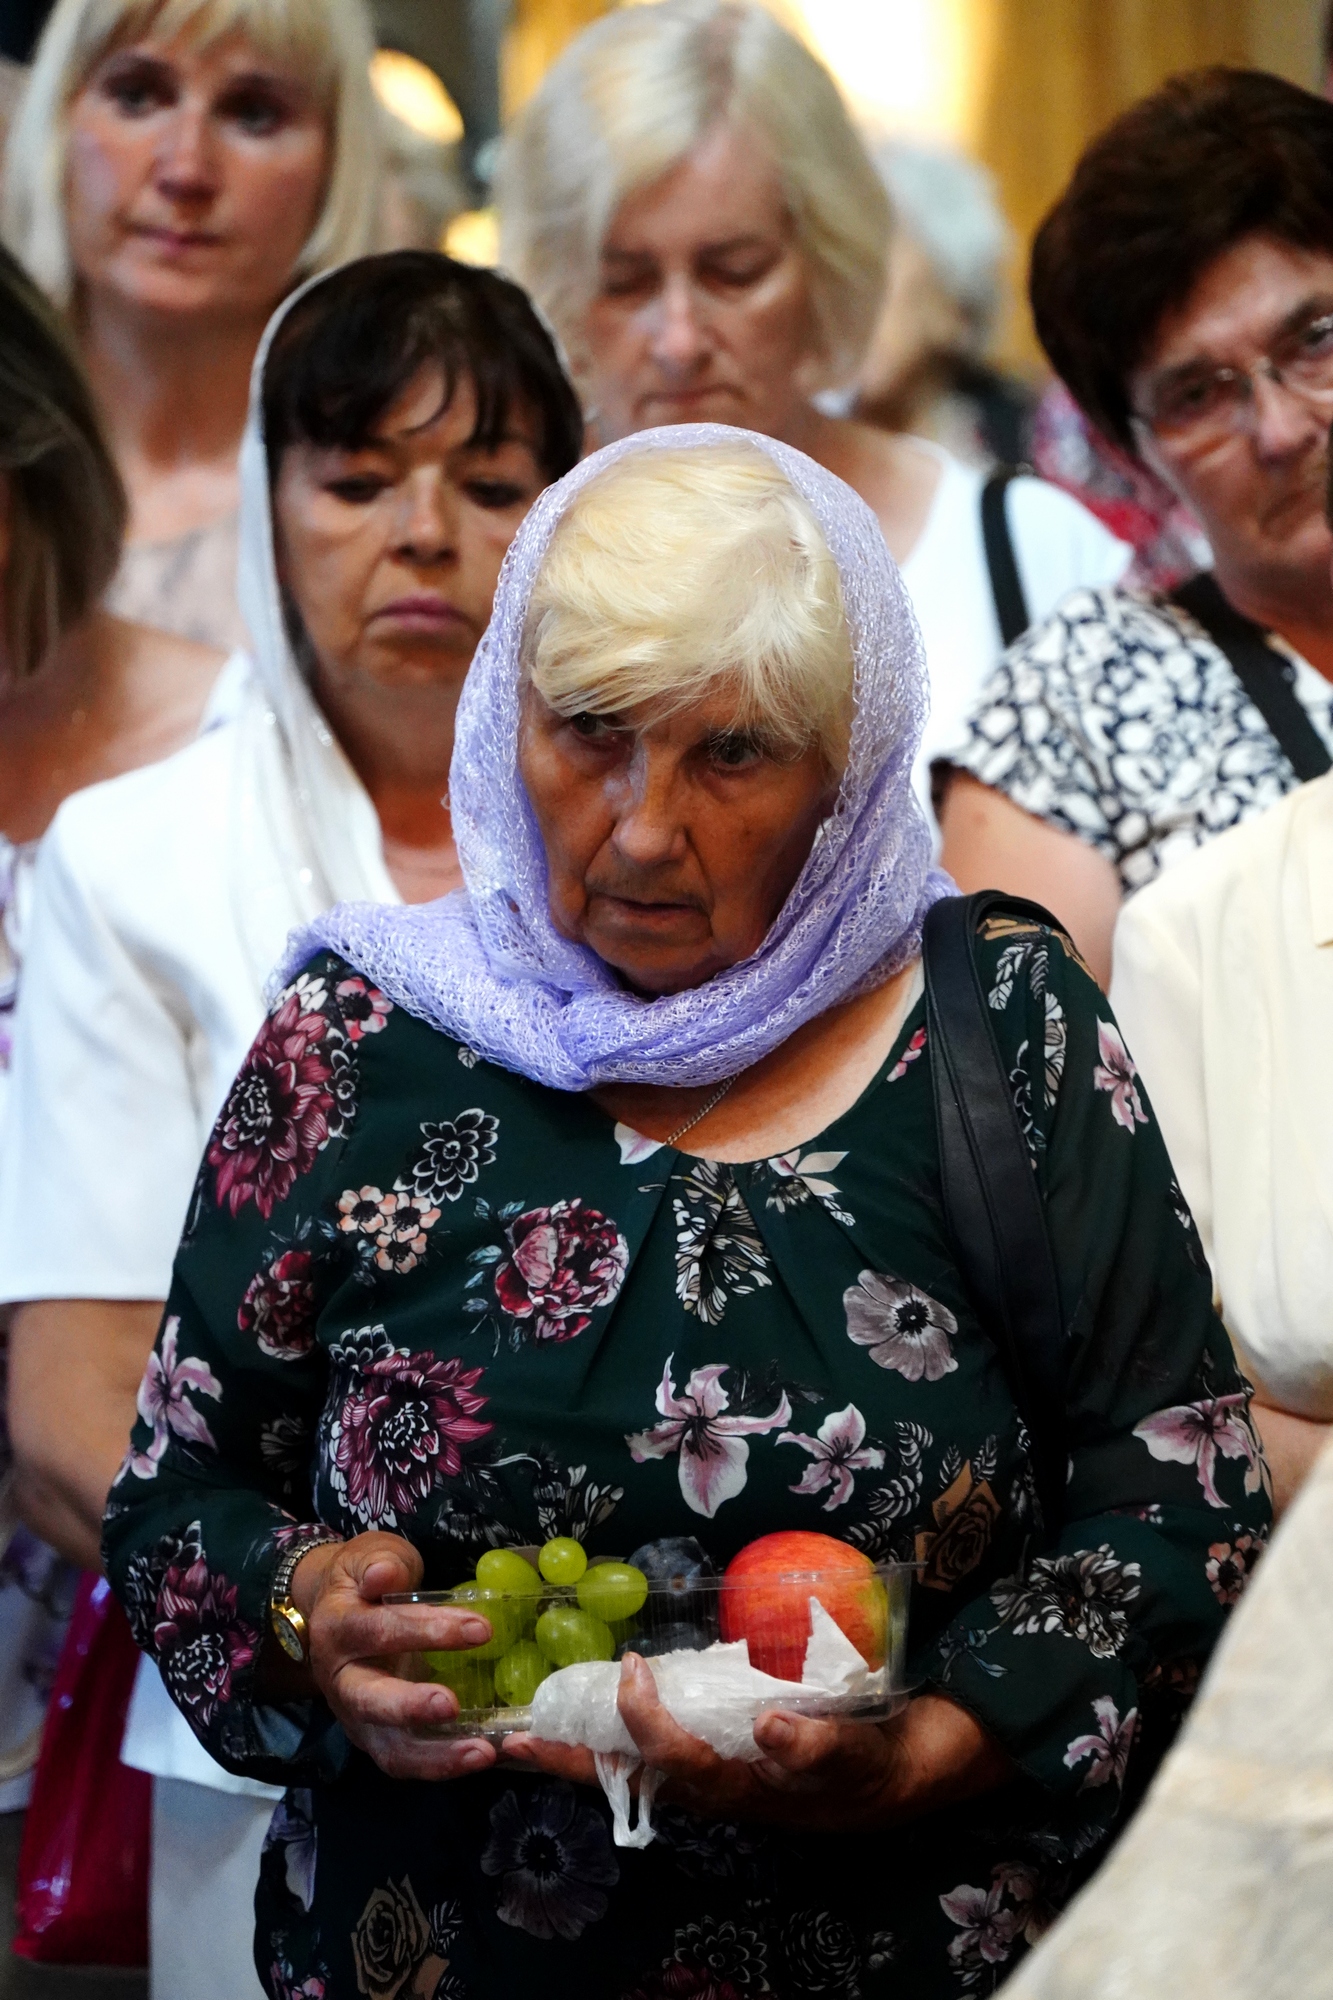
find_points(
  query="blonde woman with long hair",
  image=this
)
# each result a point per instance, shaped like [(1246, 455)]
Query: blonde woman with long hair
[(174, 168)]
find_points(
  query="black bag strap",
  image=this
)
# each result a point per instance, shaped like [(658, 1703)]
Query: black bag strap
[(992, 1203), (1267, 676), (1011, 604)]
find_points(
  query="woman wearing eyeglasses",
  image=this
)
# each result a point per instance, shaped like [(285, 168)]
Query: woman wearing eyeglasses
[(1183, 288)]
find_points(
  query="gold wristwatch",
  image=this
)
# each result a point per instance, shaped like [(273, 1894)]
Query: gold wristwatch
[(289, 1626)]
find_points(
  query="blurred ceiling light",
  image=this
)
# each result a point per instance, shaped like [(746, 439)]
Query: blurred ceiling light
[(904, 65), (915, 66), (473, 237), (410, 91)]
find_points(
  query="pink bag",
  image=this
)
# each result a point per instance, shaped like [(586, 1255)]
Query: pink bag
[(83, 1867)]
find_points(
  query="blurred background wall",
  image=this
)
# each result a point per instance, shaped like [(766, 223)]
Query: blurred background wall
[(1019, 84)]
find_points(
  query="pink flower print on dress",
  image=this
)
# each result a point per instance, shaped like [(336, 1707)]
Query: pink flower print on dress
[(282, 1981), (1116, 1073), (902, 1327), (1108, 1749), (909, 1055), (360, 1212), (401, 1243), (276, 1117), (162, 1403), (363, 1007), (839, 1449), (279, 1306), (565, 1261), (986, 1928), (199, 1641), (1229, 1565), (712, 1447), (400, 1429), (1197, 1433)]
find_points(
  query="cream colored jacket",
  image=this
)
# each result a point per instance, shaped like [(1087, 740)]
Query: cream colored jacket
[(1224, 989)]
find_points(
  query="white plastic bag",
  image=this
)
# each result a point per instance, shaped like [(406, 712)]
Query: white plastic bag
[(715, 1694)]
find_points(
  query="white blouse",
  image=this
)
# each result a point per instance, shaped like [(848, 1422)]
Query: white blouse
[(161, 901), (1058, 546), (1224, 988)]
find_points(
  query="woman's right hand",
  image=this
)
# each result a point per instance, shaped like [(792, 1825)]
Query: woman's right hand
[(353, 1639)]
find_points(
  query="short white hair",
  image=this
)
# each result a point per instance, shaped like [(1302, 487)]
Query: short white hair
[(632, 96), (330, 40), (678, 574)]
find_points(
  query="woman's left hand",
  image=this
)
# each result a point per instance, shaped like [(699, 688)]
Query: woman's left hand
[(830, 1774)]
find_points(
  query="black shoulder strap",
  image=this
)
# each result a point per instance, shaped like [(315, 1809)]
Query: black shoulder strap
[(1267, 676), (1011, 605), (992, 1203)]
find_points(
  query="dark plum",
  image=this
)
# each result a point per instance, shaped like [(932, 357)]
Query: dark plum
[(676, 1638), (675, 1566)]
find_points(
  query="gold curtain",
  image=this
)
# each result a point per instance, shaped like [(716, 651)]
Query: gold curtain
[(538, 30), (1059, 71)]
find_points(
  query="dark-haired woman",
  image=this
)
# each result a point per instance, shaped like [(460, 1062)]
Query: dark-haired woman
[(1183, 289), (406, 411), (82, 697)]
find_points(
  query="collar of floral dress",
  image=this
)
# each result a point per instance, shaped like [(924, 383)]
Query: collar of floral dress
[(487, 964)]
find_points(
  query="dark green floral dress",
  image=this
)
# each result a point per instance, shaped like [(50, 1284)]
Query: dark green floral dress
[(420, 1293)]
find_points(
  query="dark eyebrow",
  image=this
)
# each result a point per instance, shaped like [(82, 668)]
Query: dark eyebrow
[(133, 58), (389, 446), (1317, 305), (284, 82), (128, 60), (750, 240)]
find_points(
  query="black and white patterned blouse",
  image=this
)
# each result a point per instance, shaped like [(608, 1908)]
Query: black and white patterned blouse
[(1119, 720)]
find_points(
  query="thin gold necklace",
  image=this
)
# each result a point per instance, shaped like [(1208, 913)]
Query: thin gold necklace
[(700, 1115)]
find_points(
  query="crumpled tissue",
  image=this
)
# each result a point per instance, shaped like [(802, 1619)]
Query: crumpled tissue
[(715, 1693)]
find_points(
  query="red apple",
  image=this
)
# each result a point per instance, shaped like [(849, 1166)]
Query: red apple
[(766, 1595)]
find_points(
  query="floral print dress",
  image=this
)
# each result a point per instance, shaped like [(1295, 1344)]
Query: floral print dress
[(420, 1293)]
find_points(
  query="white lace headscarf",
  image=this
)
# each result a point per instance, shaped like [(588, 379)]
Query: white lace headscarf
[(488, 966)]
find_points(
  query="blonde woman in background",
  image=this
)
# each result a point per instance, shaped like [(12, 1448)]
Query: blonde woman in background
[(688, 201), (174, 168)]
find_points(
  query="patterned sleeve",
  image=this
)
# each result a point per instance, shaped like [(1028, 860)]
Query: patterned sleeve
[(1093, 1645), (216, 1483), (1043, 729)]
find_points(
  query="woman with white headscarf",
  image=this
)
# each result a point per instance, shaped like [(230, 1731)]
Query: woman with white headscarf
[(603, 1201), (405, 411)]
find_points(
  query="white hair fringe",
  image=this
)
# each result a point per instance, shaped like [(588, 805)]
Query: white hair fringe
[(676, 575)]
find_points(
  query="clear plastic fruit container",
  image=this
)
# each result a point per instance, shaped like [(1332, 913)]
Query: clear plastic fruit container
[(818, 1641)]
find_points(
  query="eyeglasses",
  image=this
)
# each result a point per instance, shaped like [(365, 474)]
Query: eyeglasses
[(1198, 408)]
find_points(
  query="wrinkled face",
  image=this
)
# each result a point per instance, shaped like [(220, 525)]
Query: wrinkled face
[(1258, 489), (702, 311), (671, 844), (194, 176), (391, 553)]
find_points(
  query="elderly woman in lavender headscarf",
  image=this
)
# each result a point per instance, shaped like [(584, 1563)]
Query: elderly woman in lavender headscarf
[(612, 1210)]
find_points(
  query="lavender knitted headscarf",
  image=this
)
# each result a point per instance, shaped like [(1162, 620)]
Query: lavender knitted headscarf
[(487, 965)]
